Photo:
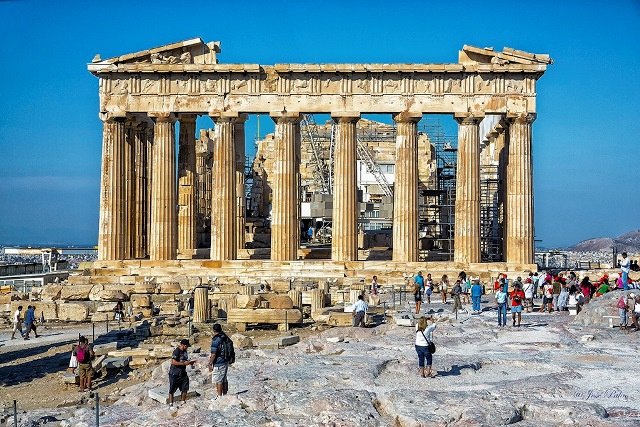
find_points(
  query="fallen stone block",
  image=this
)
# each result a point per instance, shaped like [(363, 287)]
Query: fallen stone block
[(279, 342), (73, 311), (70, 378), (340, 319), (116, 362), (335, 339), (170, 288), (51, 292), (75, 292), (104, 349), (404, 319), (161, 394), (138, 361)]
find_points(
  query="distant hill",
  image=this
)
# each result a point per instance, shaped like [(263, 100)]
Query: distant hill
[(628, 242)]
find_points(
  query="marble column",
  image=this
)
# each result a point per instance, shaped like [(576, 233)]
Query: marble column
[(405, 188), (129, 169), (111, 232), (344, 236), (238, 139), (285, 209), (141, 211), (467, 213), (201, 305), (187, 187), (223, 190), (163, 244), (149, 135), (519, 203)]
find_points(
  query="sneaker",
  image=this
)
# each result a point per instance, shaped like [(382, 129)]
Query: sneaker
[(171, 405), (27, 338), (432, 375), (514, 323)]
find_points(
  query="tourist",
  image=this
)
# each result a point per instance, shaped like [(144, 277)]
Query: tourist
[(527, 288), (603, 288), (30, 322), (500, 298), (423, 338), (465, 284), (455, 294), (557, 286), (428, 287), (419, 280), (444, 287), (636, 312), (191, 302), (84, 354), (476, 294), (623, 307), (625, 267), (547, 296), (359, 311), (585, 285), (118, 311), (218, 365), (73, 360), (178, 378), (517, 296), (17, 323), (541, 282), (563, 299), (536, 283), (374, 285), (417, 296)]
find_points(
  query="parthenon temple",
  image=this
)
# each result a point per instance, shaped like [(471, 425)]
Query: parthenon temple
[(197, 204)]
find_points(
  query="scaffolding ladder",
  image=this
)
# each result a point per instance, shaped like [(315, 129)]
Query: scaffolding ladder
[(321, 175), (373, 168)]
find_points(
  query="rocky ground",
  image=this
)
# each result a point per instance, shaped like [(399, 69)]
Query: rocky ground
[(554, 369)]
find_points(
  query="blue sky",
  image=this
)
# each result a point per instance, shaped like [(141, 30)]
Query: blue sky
[(585, 140)]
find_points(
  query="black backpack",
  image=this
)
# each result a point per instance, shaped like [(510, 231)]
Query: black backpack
[(228, 352)]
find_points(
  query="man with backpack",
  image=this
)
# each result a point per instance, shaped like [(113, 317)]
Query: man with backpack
[(222, 355), (84, 354)]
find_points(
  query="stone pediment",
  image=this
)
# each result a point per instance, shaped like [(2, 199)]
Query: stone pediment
[(192, 51), (471, 55)]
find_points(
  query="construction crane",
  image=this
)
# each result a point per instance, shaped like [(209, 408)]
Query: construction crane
[(373, 168)]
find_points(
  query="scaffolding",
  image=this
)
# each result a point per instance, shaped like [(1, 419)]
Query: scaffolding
[(437, 212), (491, 220)]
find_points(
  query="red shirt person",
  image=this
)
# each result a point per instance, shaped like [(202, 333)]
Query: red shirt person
[(517, 296)]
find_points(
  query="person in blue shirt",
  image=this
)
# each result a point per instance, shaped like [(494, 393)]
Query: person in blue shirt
[(501, 302), (29, 320), (476, 294)]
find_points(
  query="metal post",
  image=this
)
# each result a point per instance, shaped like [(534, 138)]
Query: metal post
[(15, 413), (189, 327), (384, 312), (393, 298), (97, 410), (93, 326), (286, 321), (107, 321)]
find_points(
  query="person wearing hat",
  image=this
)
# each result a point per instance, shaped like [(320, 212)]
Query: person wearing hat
[(178, 378)]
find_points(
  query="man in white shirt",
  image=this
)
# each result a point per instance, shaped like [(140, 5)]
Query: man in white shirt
[(625, 267), (359, 311), (17, 323)]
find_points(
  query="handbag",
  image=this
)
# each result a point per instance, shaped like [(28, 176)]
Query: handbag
[(430, 345)]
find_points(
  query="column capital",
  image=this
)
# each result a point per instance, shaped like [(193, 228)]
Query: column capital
[(107, 116), (163, 116), (345, 116), (468, 118), (521, 118), (285, 116), (227, 116), (407, 117)]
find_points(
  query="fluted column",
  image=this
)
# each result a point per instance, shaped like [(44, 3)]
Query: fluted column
[(238, 138), (285, 209), (201, 305), (129, 172), (187, 187), (405, 188), (519, 204), (140, 216), (223, 191), (467, 213), (112, 190), (344, 236), (163, 244)]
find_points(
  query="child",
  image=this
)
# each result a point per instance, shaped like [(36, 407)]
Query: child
[(73, 361)]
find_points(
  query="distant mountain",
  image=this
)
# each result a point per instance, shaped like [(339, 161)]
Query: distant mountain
[(628, 242)]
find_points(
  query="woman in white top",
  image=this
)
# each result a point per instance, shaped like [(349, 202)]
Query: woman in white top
[(423, 337)]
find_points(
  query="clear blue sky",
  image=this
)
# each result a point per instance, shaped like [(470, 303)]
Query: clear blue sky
[(585, 140)]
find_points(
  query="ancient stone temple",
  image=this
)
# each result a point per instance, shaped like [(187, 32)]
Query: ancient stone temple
[(154, 204)]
